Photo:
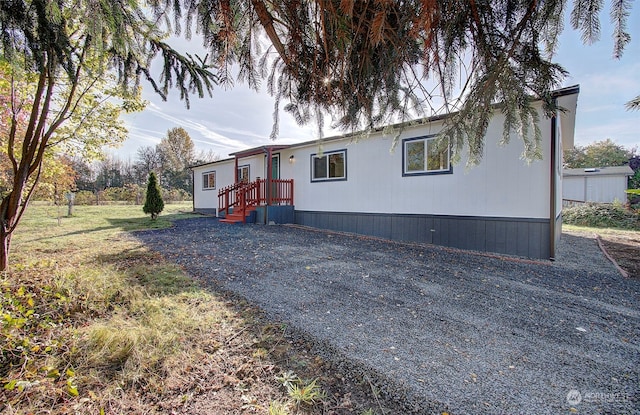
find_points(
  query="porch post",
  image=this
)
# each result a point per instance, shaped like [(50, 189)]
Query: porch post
[(235, 174), (269, 175), (291, 189)]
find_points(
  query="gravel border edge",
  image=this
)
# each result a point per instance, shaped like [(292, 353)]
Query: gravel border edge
[(624, 273)]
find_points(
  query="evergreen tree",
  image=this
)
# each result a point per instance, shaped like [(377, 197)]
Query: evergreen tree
[(153, 203), (370, 64)]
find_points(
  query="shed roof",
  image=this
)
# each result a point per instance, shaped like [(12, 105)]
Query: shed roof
[(599, 171)]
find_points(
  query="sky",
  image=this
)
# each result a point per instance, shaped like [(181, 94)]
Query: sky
[(240, 118)]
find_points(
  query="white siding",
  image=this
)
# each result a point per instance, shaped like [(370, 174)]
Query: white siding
[(573, 188), (503, 185), (597, 189), (607, 189), (256, 167), (208, 199)]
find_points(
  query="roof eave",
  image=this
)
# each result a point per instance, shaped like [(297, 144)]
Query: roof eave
[(258, 150)]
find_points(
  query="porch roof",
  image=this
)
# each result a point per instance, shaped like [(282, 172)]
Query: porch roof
[(258, 150)]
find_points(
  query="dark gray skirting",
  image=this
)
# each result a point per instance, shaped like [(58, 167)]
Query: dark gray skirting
[(205, 211), (514, 236)]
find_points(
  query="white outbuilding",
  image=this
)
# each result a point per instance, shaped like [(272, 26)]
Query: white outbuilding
[(595, 185)]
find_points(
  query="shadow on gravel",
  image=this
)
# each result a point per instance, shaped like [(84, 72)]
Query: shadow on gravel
[(438, 330)]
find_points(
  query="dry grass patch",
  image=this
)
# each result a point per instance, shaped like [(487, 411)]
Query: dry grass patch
[(93, 322)]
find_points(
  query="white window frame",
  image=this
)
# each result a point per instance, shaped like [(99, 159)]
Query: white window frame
[(246, 167), (327, 155), (447, 169), (205, 180)]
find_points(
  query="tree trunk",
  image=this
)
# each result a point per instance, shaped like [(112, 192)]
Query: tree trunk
[(10, 212), (5, 242)]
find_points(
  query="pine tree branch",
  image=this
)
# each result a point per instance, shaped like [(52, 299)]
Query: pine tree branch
[(266, 20), (634, 104)]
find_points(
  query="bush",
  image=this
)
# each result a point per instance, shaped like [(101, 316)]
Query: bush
[(175, 195), (634, 197), (84, 197), (602, 216), (130, 193), (112, 194), (634, 181)]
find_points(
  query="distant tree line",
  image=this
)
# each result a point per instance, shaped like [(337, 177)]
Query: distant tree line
[(113, 179)]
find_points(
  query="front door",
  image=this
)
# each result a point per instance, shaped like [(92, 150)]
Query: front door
[(275, 175), (275, 166)]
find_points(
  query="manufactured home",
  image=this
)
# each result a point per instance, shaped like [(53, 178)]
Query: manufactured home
[(411, 193)]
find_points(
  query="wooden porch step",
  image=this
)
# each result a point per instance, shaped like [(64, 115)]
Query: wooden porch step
[(230, 220), (237, 217)]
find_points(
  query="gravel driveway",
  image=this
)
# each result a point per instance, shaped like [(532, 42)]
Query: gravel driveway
[(444, 330)]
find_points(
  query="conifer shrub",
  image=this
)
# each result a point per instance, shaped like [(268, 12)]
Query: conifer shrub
[(153, 203)]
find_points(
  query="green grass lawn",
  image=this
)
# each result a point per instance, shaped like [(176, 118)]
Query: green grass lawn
[(51, 221), (94, 322)]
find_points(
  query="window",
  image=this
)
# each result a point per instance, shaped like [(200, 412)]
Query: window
[(426, 155), (243, 174), (329, 166), (209, 180)]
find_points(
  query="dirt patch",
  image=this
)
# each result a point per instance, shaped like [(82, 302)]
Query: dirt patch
[(625, 249)]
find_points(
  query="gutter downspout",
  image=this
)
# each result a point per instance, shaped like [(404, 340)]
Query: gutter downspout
[(552, 186)]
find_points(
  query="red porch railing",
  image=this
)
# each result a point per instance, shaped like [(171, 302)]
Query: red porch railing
[(241, 195), (281, 192), (228, 197)]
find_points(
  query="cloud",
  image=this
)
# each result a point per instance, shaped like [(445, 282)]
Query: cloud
[(232, 122), (616, 85), (142, 135), (212, 137), (612, 83), (622, 131)]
